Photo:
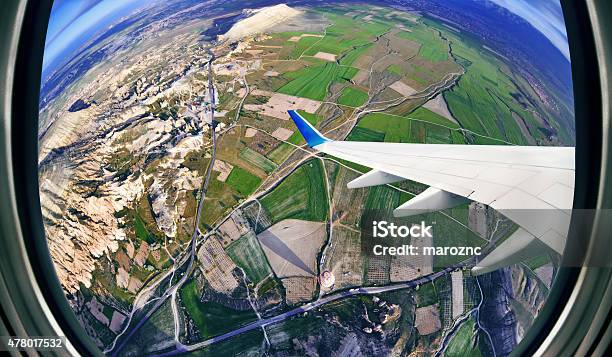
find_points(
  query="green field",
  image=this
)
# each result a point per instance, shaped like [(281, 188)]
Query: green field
[(313, 81), (347, 34), (425, 114), (301, 195), (220, 197), (384, 198), (395, 69), (362, 134), (301, 46), (462, 344), (394, 128), (448, 233), (267, 285), (349, 57), (352, 97), (359, 168), (141, 230), (247, 344), (432, 47), (247, 254), (488, 93), (253, 157), (438, 135), (280, 153), (538, 261), (212, 318), (420, 126), (426, 295), (243, 181)]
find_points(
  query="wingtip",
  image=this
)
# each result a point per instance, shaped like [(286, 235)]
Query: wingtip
[(312, 136)]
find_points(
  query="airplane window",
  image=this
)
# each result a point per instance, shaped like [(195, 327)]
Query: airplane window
[(306, 178)]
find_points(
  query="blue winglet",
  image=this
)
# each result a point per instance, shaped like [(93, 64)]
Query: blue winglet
[(310, 134)]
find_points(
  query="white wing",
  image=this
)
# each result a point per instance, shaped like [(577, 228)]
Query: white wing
[(531, 185)]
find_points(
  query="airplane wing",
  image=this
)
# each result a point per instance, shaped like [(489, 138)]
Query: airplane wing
[(531, 185)]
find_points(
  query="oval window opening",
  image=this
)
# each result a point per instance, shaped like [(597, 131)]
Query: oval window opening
[(293, 178)]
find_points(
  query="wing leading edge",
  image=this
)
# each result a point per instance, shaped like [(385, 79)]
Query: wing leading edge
[(531, 185)]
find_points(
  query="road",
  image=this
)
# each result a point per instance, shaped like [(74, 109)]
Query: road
[(310, 306), (171, 291)]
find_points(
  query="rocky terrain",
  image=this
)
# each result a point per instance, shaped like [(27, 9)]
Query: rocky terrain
[(124, 142)]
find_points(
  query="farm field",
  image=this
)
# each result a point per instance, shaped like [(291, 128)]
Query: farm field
[(426, 295), (212, 318), (243, 181), (247, 254), (462, 343), (301, 195), (447, 233), (257, 159), (349, 57), (382, 198), (352, 97), (345, 33), (249, 342), (484, 100), (432, 46), (312, 82), (420, 126)]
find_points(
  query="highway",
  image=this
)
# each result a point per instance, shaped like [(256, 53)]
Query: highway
[(307, 307)]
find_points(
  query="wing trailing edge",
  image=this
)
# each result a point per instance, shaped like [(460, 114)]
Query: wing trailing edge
[(520, 246), (374, 178), (430, 200)]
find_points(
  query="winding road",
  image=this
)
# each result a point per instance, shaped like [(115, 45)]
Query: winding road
[(310, 306), (171, 291)]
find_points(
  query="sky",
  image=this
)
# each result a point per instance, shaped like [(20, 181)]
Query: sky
[(73, 20), (545, 15)]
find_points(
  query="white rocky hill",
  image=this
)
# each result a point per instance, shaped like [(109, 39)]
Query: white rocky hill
[(260, 21)]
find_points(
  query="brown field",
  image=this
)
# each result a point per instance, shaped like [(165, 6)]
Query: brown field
[(250, 132), (232, 229), (282, 134), (299, 289), (325, 56), (229, 147), (457, 291), (292, 245), (378, 270), (368, 57), (347, 203), (438, 106), (344, 258), (407, 267), (403, 88), (217, 266), (406, 48), (279, 103), (427, 320), (361, 78), (223, 168), (263, 143)]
